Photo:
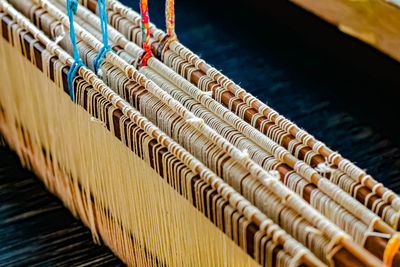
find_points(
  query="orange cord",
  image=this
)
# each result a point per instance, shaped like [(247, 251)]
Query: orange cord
[(391, 250), (170, 17)]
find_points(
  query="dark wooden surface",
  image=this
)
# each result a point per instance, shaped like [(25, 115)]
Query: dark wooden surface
[(36, 229)]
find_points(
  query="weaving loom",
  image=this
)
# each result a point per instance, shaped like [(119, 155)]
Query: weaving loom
[(190, 140)]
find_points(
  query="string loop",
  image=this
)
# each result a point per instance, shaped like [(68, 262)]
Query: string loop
[(170, 24), (144, 12), (102, 7), (170, 18), (72, 7)]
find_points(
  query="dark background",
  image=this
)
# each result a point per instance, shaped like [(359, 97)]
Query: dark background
[(337, 88)]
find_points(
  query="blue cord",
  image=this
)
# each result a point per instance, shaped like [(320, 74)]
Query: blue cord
[(72, 6), (103, 23)]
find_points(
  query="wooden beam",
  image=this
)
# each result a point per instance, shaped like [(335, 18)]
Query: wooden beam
[(376, 22)]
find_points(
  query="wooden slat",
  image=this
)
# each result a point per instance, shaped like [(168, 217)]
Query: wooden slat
[(376, 22)]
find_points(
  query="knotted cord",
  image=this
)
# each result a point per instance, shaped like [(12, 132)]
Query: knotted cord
[(72, 6), (144, 11), (102, 10)]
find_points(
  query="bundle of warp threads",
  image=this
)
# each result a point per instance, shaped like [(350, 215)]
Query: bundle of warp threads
[(387, 208), (299, 143), (204, 256), (243, 171), (340, 216)]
